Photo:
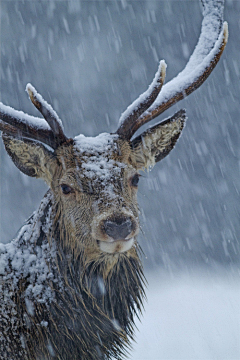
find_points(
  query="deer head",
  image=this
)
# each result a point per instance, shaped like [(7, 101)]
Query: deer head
[(94, 180)]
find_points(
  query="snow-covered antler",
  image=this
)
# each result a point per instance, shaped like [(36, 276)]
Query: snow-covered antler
[(210, 46), (20, 125)]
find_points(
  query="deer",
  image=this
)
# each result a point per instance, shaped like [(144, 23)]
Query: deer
[(72, 281)]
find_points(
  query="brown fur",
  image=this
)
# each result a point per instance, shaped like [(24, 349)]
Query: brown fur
[(96, 284)]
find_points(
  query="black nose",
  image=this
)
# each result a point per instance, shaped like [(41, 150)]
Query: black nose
[(118, 229)]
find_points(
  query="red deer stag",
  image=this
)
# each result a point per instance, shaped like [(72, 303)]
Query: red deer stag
[(72, 280)]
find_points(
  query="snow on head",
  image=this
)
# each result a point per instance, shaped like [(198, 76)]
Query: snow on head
[(98, 143), (96, 153), (98, 164)]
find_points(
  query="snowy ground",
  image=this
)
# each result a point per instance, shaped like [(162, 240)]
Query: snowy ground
[(190, 317)]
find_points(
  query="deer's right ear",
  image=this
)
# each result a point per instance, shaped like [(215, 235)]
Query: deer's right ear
[(30, 157), (157, 141)]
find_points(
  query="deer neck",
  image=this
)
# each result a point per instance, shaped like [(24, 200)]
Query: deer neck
[(111, 289)]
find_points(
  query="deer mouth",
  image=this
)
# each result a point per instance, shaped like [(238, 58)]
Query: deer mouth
[(116, 246)]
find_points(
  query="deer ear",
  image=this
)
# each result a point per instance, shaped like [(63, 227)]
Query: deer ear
[(157, 142), (30, 157)]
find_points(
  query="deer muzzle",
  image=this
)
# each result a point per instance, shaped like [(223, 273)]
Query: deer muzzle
[(115, 234)]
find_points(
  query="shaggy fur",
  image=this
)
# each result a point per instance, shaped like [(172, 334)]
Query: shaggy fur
[(87, 312), (63, 296)]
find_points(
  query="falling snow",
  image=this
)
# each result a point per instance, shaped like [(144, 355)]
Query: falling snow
[(90, 60)]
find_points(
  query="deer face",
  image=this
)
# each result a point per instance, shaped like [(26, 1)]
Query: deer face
[(96, 189)]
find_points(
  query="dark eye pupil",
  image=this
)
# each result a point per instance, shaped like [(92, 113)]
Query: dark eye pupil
[(135, 180), (66, 189)]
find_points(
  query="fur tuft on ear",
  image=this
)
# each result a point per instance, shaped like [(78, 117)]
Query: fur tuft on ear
[(30, 157), (157, 141)]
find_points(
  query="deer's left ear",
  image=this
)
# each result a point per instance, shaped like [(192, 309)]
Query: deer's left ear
[(157, 142)]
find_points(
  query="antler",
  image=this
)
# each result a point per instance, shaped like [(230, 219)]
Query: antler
[(21, 125), (200, 65), (145, 100)]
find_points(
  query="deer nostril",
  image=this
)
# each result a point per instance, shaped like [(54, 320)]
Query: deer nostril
[(118, 229)]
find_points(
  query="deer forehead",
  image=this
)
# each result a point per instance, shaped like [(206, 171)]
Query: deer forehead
[(108, 146), (96, 159)]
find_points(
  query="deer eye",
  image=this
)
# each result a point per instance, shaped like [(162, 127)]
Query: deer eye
[(135, 180), (66, 189)]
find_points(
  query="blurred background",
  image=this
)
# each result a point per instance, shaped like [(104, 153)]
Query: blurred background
[(90, 60)]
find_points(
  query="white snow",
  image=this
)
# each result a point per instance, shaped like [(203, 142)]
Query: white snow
[(137, 103), (35, 122), (189, 75), (30, 88), (99, 143), (190, 317), (206, 49), (96, 154), (26, 259), (22, 258)]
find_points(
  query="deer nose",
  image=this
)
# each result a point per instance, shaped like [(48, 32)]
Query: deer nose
[(118, 229)]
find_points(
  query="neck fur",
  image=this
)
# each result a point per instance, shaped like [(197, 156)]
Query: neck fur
[(102, 297)]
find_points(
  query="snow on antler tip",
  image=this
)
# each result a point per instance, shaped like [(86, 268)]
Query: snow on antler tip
[(34, 96), (162, 66), (157, 82), (31, 88), (225, 31), (42, 105), (161, 70), (37, 99)]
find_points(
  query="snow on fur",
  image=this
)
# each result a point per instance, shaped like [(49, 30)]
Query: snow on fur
[(23, 258)]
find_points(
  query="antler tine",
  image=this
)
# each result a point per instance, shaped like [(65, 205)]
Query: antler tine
[(20, 125), (143, 102), (48, 113), (200, 65), (166, 100)]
